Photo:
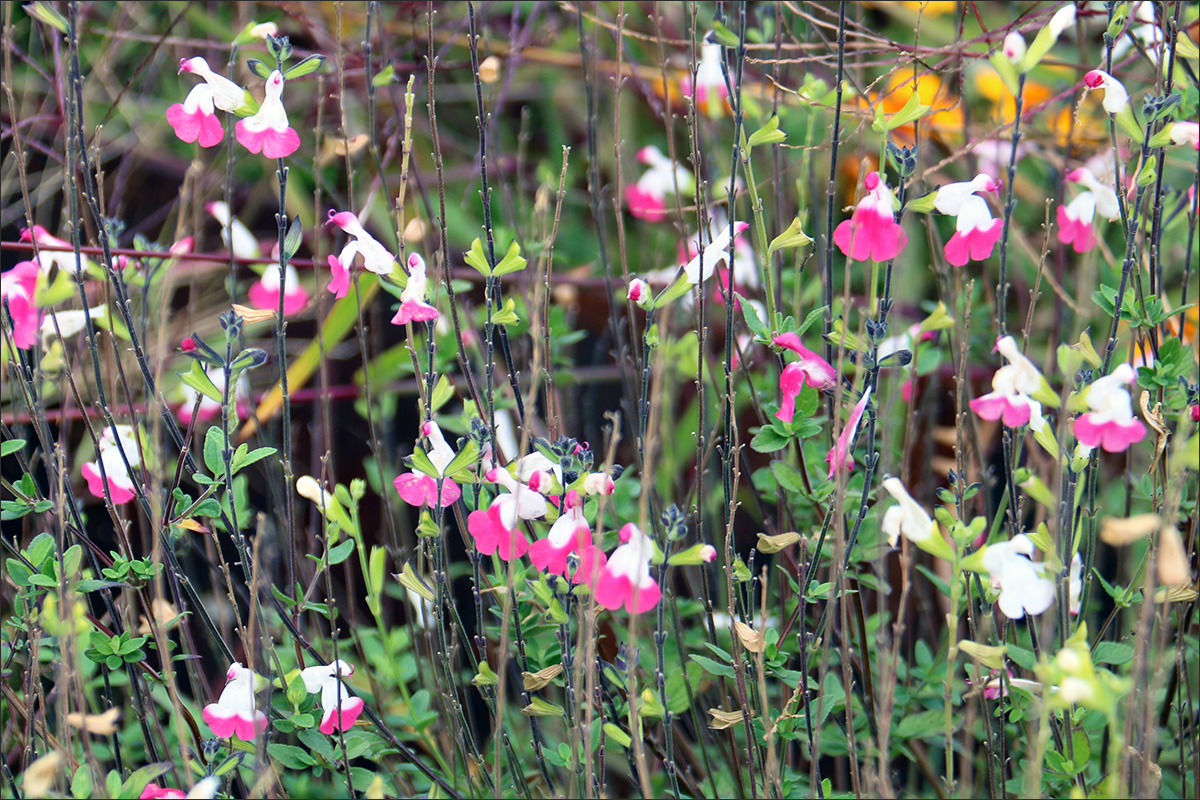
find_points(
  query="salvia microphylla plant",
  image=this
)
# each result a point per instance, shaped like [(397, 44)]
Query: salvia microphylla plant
[(764, 400)]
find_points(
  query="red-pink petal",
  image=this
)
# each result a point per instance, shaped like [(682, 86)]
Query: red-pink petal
[(195, 126), (344, 719), (339, 284)]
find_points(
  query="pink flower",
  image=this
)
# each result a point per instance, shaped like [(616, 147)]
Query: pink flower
[(18, 288), (188, 344), (195, 120), (235, 714), (708, 553), (839, 456), (1012, 388), (154, 792), (570, 533), (264, 293), (495, 530), (598, 483), (341, 709), (268, 130), (413, 307), (376, 257), (872, 232), (626, 579), (646, 199), (810, 369), (1110, 422), (421, 490), (976, 233)]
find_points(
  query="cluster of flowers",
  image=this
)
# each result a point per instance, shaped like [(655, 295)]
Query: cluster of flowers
[(236, 713), (536, 487)]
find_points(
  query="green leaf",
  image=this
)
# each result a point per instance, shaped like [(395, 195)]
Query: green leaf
[(339, 553), (712, 666), (198, 379), (768, 440), (306, 67), (259, 68), (912, 111), (81, 784), (753, 321), (723, 35), (923, 725), (794, 236), (512, 261), (443, 392), (385, 76), (476, 259), (48, 14), (1114, 653), (18, 573), (617, 735), (291, 242), (767, 134), (214, 449), (11, 446), (243, 459), (290, 756), (136, 782)]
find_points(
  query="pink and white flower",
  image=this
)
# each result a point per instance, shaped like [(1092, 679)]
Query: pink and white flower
[(1013, 387), (1075, 223), (839, 456), (376, 257), (116, 478), (413, 307), (62, 255), (871, 233), (1023, 585), (195, 120), (976, 232), (570, 533), (638, 292), (1116, 99), (18, 288), (340, 707), (235, 713), (626, 579), (598, 483), (646, 199), (1075, 220), (155, 792), (529, 503), (268, 131), (811, 369), (1110, 422), (710, 87), (421, 490), (264, 293)]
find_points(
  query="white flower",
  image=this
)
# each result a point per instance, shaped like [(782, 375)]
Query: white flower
[(1024, 588), (949, 198), (244, 245), (1075, 584), (1116, 99), (716, 252), (1062, 19), (226, 94), (908, 518), (1014, 47), (69, 323)]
